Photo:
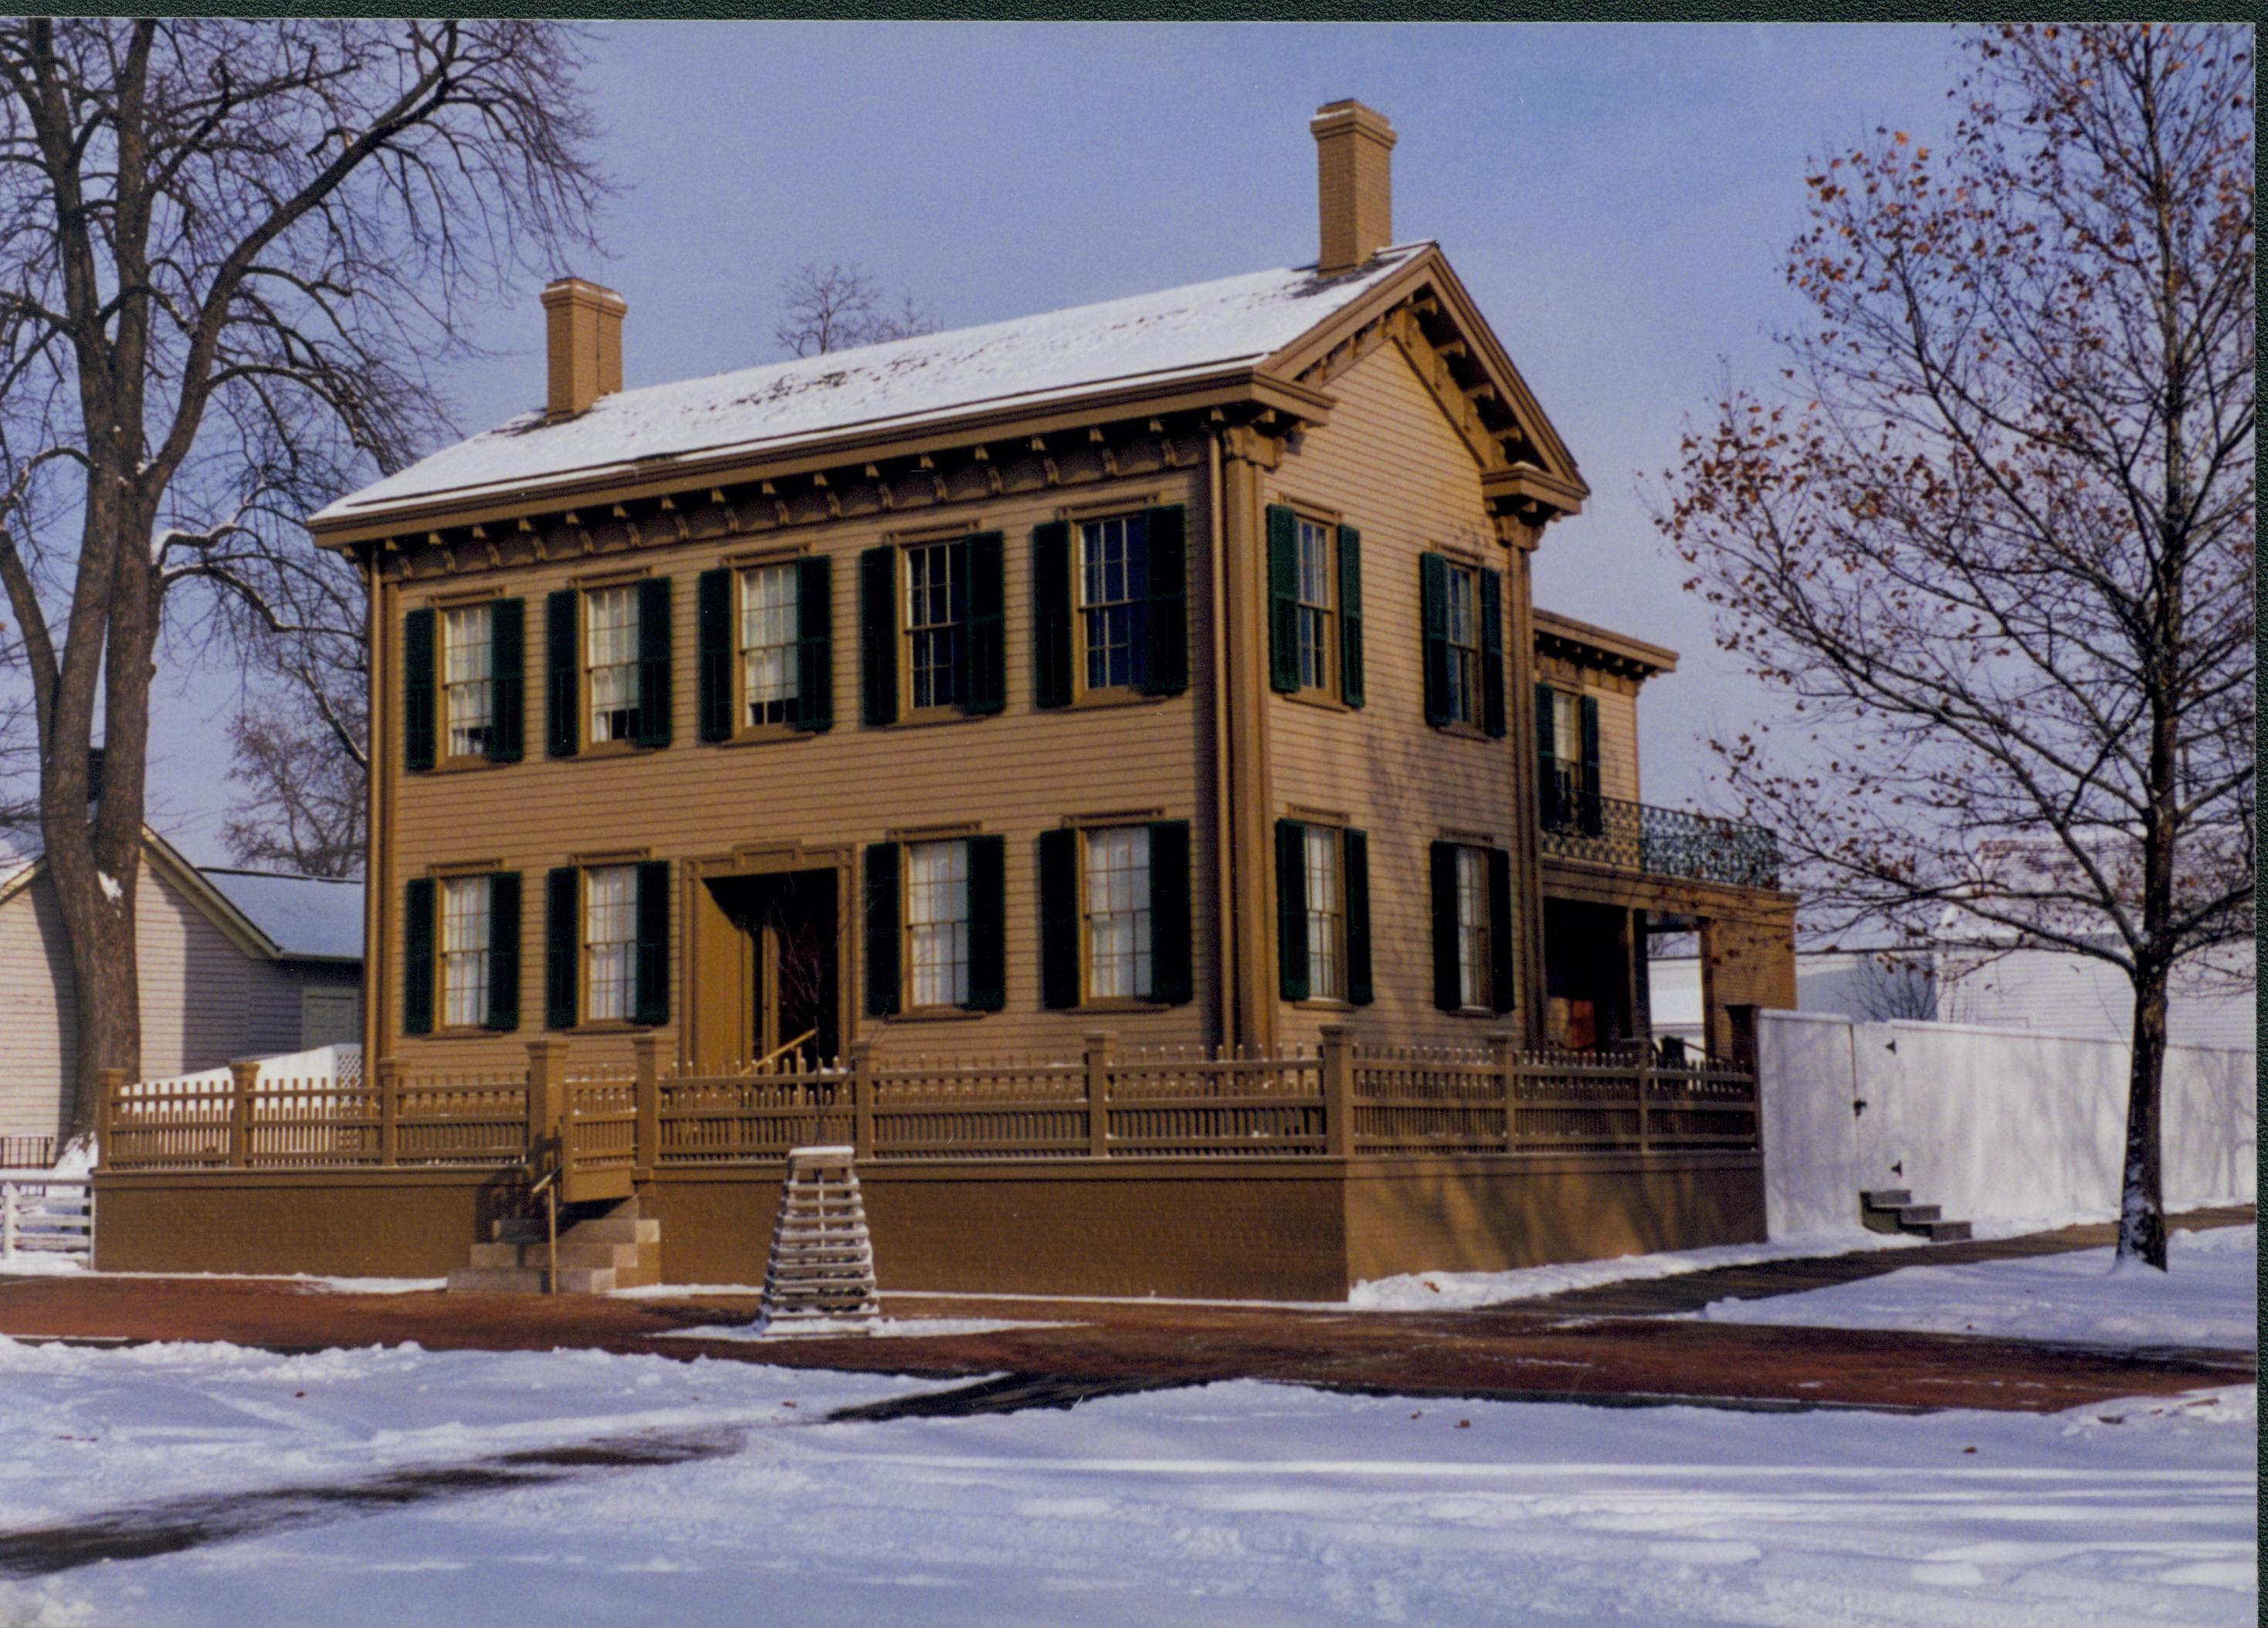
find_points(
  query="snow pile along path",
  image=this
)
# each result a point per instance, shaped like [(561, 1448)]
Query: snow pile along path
[(2209, 1298), (1461, 1290), (1239, 1503)]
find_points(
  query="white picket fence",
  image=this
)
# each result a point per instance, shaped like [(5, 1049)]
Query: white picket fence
[(46, 1216)]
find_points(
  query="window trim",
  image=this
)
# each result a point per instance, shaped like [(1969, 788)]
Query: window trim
[(1139, 1000), (442, 879), (908, 1007), (902, 615), (584, 667), (584, 1020)]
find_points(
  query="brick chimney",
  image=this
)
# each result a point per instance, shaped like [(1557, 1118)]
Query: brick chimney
[(583, 329), (1354, 148)]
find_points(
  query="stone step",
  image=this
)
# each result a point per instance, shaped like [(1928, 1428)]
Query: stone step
[(1885, 1198), (1948, 1232), (1914, 1215), (588, 1280), (496, 1257), (518, 1229)]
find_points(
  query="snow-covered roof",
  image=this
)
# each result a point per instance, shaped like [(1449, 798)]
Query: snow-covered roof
[(1039, 360), (307, 917)]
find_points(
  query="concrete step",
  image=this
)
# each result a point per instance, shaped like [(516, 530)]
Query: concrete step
[(516, 1229), (1885, 1199), (498, 1256), (1947, 1232), (1916, 1215), (587, 1280), (614, 1229)]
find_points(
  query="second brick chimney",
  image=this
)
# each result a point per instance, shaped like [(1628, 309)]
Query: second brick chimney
[(1354, 147), (583, 331)]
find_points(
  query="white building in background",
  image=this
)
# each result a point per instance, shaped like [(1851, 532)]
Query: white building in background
[(234, 963)]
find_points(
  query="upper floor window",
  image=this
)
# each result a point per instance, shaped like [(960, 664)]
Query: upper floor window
[(1114, 591), (1463, 633), (465, 932), (937, 618), (1317, 605), (468, 684), (1118, 912), (770, 627), (937, 923), (1462, 618), (1314, 606), (610, 658)]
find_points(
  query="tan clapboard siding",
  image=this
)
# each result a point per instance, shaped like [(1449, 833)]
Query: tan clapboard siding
[(1618, 699), (1392, 466), (1014, 775)]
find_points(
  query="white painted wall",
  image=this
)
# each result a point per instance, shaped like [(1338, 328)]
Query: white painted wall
[(1989, 1123), (2214, 1005)]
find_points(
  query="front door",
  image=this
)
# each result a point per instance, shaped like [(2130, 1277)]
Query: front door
[(772, 978)]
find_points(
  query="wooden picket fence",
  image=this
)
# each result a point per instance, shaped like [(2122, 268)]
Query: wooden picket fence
[(1339, 1100)]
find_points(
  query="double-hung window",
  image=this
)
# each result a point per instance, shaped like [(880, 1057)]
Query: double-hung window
[(937, 923), (769, 625), (464, 937), (609, 941), (1318, 605), (467, 687), (1474, 948), (937, 624), (1118, 919), (1112, 595), (1463, 628), (611, 658), (1567, 755), (1326, 915), (1322, 903)]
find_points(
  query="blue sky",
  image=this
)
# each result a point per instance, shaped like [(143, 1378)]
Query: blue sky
[(1618, 199)]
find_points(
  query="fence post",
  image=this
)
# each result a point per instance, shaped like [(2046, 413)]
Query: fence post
[(7, 1220), (245, 1076), (105, 1112), (646, 1047), (389, 1111), (1098, 1094), (1504, 1059), (861, 1082), (1338, 1092), (1645, 1078), (547, 1094)]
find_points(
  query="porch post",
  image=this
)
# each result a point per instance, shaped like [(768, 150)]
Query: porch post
[(646, 1047), (1338, 1092), (547, 1093), (243, 1077), (1098, 1094), (114, 1088), (861, 1083), (389, 1111)]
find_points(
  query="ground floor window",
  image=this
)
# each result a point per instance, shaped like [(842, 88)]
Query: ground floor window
[(1118, 954), (464, 927), (609, 941), (937, 923)]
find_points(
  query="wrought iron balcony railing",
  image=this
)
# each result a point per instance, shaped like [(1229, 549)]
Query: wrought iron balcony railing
[(1662, 841)]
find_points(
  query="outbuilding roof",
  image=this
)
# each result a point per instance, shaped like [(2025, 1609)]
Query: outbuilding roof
[(1175, 334), (306, 917)]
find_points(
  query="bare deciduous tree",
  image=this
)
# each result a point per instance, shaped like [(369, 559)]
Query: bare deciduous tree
[(839, 307), (227, 251), (306, 803), (1994, 537)]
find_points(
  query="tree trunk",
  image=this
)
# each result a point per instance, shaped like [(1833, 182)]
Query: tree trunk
[(2142, 1202)]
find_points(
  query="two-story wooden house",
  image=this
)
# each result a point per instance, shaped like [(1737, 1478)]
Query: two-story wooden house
[(1164, 668)]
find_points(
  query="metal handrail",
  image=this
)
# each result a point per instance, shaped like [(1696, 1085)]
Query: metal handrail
[(1580, 824)]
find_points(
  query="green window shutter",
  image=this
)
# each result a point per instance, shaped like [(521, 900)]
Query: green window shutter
[(1434, 605), (712, 657), (417, 957), (1594, 813), (1448, 994), (985, 684), (814, 644), (1351, 615), (1283, 600), (649, 1000), (1499, 887), (881, 929), (503, 950), (1052, 645), (654, 708), (563, 674), (1492, 652), (562, 946), (987, 923), (417, 691), (1548, 813), (1291, 908), (508, 681), (1059, 918), (1170, 946), (1167, 664), (877, 638), (1354, 866)]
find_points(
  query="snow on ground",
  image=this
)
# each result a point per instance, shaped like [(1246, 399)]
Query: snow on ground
[(2209, 1298), (1239, 1503), (1457, 1291), (877, 1328)]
